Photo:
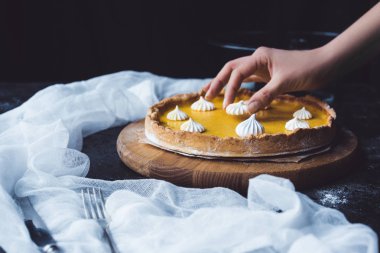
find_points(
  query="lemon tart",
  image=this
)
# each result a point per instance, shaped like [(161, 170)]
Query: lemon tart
[(270, 132)]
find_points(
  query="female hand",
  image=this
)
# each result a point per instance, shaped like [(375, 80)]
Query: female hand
[(282, 70), (286, 71)]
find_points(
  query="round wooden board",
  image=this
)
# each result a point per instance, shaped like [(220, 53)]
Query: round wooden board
[(186, 171)]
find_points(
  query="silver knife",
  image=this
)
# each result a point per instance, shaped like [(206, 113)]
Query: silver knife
[(38, 231)]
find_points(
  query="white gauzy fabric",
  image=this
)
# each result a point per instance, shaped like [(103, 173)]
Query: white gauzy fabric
[(40, 158)]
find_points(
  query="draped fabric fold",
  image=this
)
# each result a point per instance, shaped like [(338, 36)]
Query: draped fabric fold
[(40, 157)]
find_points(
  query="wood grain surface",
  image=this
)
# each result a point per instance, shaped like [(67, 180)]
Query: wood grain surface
[(156, 163)]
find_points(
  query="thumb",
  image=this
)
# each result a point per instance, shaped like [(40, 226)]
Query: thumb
[(263, 97)]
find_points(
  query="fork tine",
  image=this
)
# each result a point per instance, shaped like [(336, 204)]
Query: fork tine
[(102, 202), (92, 204), (97, 204), (86, 213)]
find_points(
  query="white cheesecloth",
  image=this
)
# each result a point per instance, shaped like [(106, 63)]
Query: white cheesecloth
[(40, 158)]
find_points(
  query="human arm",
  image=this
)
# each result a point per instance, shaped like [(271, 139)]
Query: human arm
[(287, 71)]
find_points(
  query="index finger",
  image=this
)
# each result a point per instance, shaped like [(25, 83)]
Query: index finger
[(219, 81), (245, 70)]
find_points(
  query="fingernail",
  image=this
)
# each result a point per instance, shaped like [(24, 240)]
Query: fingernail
[(253, 107), (207, 96)]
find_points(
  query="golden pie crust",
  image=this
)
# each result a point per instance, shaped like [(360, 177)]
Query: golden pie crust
[(267, 144)]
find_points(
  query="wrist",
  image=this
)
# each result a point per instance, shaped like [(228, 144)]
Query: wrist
[(326, 55), (327, 63)]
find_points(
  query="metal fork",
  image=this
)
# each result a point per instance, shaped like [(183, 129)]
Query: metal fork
[(93, 204)]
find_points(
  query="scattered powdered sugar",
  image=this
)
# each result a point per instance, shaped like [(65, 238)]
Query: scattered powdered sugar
[(332, 197)]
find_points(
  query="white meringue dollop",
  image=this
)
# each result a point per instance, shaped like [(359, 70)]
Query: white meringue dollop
[(295, 123), (249, 127), (202, 105), (302, 114), (238, 108), (177, 114), (192, 126)]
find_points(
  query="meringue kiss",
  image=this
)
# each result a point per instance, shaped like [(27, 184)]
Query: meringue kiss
[(302, 114), (202, 105), (238, 108), (192, 126), (295, 123), (249, 127), (177, 114)]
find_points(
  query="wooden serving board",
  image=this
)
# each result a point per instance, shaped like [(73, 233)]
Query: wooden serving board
[(186, 171)]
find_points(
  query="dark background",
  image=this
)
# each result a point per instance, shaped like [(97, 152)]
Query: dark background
[(47, 41), (62, 41)]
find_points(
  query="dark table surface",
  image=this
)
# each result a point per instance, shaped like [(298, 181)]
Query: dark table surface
[(356, 195)]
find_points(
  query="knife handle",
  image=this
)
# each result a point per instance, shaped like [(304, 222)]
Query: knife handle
[(42, 238), (50, 248)]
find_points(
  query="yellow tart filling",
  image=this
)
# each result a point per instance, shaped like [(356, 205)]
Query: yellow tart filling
[(219, 123)]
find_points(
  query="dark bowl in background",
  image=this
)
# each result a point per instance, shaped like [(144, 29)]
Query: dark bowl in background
[(228, 46), (248, 41)]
